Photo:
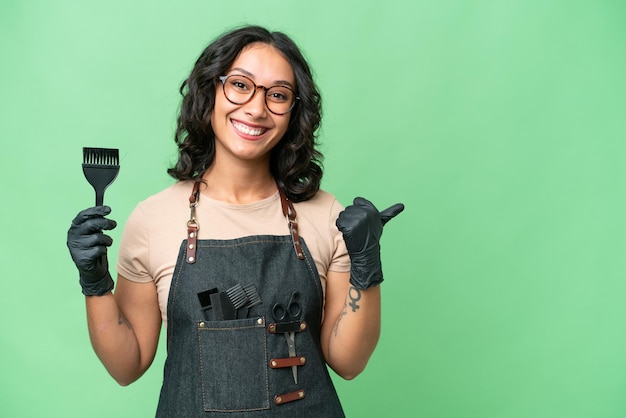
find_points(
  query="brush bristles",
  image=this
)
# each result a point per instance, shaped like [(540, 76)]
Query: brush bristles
[(101, 156), (252, 294)]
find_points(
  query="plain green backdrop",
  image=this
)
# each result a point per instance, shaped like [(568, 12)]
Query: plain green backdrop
[(500, 124)]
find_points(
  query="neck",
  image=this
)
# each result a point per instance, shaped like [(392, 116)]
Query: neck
[(239, 185)]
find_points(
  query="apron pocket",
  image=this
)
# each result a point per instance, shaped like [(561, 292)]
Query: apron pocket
[(233, 364)]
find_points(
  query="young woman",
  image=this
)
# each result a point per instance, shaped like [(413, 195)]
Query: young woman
[(260, 277)]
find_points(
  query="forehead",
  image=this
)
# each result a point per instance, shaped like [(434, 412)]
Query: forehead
[(264, 63)]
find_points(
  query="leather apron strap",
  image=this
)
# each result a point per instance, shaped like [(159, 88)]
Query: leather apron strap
[(193, 226)]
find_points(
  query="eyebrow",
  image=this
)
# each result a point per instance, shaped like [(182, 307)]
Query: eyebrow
[(276, 82)]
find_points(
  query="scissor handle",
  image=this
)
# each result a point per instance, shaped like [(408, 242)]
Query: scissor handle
[(278, 312), (294, 306), (292, 312)]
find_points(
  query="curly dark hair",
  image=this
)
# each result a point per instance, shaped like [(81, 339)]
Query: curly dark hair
[(294, 162)]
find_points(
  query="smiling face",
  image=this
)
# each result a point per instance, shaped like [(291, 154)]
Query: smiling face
[(249, 131)]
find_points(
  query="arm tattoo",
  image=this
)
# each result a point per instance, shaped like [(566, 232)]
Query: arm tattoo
[(355, 295), (343, 313), (122, 320)]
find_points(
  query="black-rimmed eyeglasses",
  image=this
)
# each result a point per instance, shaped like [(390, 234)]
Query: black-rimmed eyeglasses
[(240, 89)]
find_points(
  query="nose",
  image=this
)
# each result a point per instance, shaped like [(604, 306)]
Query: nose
[(256, 106)]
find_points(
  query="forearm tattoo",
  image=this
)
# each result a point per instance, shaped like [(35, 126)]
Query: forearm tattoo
[(355, 295), (121, 319), (343, 313)]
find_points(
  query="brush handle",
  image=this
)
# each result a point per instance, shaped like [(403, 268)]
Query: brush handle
[(99, 197), (100, 177)]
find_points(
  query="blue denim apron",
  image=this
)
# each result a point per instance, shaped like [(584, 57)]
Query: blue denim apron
[(227, 367)]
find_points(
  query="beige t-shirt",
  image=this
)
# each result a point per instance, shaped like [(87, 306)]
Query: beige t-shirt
[(155, 229)]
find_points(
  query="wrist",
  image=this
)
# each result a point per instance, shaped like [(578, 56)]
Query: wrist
[(98, 288), (365, 275)]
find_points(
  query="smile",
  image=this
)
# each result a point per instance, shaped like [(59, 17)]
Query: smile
[(248, 130)]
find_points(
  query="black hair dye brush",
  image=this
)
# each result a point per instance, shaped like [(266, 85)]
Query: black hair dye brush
[(100, 166)]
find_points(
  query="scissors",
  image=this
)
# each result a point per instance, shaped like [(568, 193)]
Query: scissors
[(289, 314)]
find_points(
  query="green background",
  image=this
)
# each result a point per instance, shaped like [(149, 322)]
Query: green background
[(500, 125)]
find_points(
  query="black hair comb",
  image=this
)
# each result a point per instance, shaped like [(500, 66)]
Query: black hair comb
[(100, 166)]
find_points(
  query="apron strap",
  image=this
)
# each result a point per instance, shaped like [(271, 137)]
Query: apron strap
[(290, 215), (193, 226)]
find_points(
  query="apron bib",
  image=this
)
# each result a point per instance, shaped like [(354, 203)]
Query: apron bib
[(240, 366)]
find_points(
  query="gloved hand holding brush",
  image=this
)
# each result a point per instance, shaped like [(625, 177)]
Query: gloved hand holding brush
[(362, 226), (88, 248)]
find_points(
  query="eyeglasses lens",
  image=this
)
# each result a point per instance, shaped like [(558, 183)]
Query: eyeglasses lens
[(240, 89)]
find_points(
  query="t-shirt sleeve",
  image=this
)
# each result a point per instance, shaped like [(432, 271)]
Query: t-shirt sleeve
[(133, 257), (340, 261)]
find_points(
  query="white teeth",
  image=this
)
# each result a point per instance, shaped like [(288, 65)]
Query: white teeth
[(245, 129)]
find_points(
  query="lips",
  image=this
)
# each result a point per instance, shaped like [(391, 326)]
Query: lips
[(248, 130)]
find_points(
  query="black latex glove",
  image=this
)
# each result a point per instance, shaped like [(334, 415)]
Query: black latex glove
[(88, 247), (362, 225)]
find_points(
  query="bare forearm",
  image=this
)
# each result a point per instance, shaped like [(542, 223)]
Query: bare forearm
[(355, 333), (113, 339)]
